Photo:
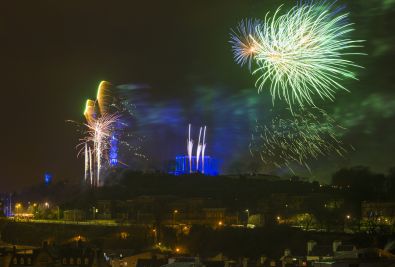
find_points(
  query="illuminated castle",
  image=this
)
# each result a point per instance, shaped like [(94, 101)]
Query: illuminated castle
[(196, 164), (210, 166)]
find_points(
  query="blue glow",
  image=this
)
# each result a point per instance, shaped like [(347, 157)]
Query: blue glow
[(182, 166), (48, 178), (7, 206), (163, 124)]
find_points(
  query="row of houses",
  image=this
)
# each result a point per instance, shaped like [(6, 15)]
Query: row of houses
[(198, 210), (337, 254), (52, 256), (78, 254)]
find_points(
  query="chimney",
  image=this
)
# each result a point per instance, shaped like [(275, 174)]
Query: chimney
[(310, 246), (335, 245), (287, 252), (245, 262), (262, 260), (79, 243)]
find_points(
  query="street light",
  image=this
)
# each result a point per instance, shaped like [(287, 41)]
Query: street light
[(346, 222), (248, 215), (174, 216), (155, 236), (58, 208), (94, 211), (17, 207)]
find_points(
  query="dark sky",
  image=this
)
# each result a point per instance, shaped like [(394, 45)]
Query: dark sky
[(54, 54)]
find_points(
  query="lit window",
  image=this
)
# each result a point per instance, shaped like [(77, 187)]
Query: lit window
[(64, 261), (22, 261), (71, 261), (29, 261), (79, 261), (86, 261), (15, 261)]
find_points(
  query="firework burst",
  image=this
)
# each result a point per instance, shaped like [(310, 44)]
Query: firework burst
[(97, 135), (106, 129), (286, 142), (242, 41), (301, 53)]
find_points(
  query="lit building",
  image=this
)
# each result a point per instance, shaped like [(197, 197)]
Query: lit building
[(196, 164), (208, 167), (382, 212), (48, 178), (113, 150), (6, 205)]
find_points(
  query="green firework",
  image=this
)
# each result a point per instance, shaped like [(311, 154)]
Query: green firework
[(304, 137), (304, 53)]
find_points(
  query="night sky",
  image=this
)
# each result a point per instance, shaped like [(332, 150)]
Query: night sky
[(54, 54)]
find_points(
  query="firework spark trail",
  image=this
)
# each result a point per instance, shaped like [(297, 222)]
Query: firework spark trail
[(98, 132), (90, 166), (190, 148), (89, 112), (203, 147), (98, 148), (301, 53), (305, 137), (104, 97), (198, 150), (86, 162), (135, 150)]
